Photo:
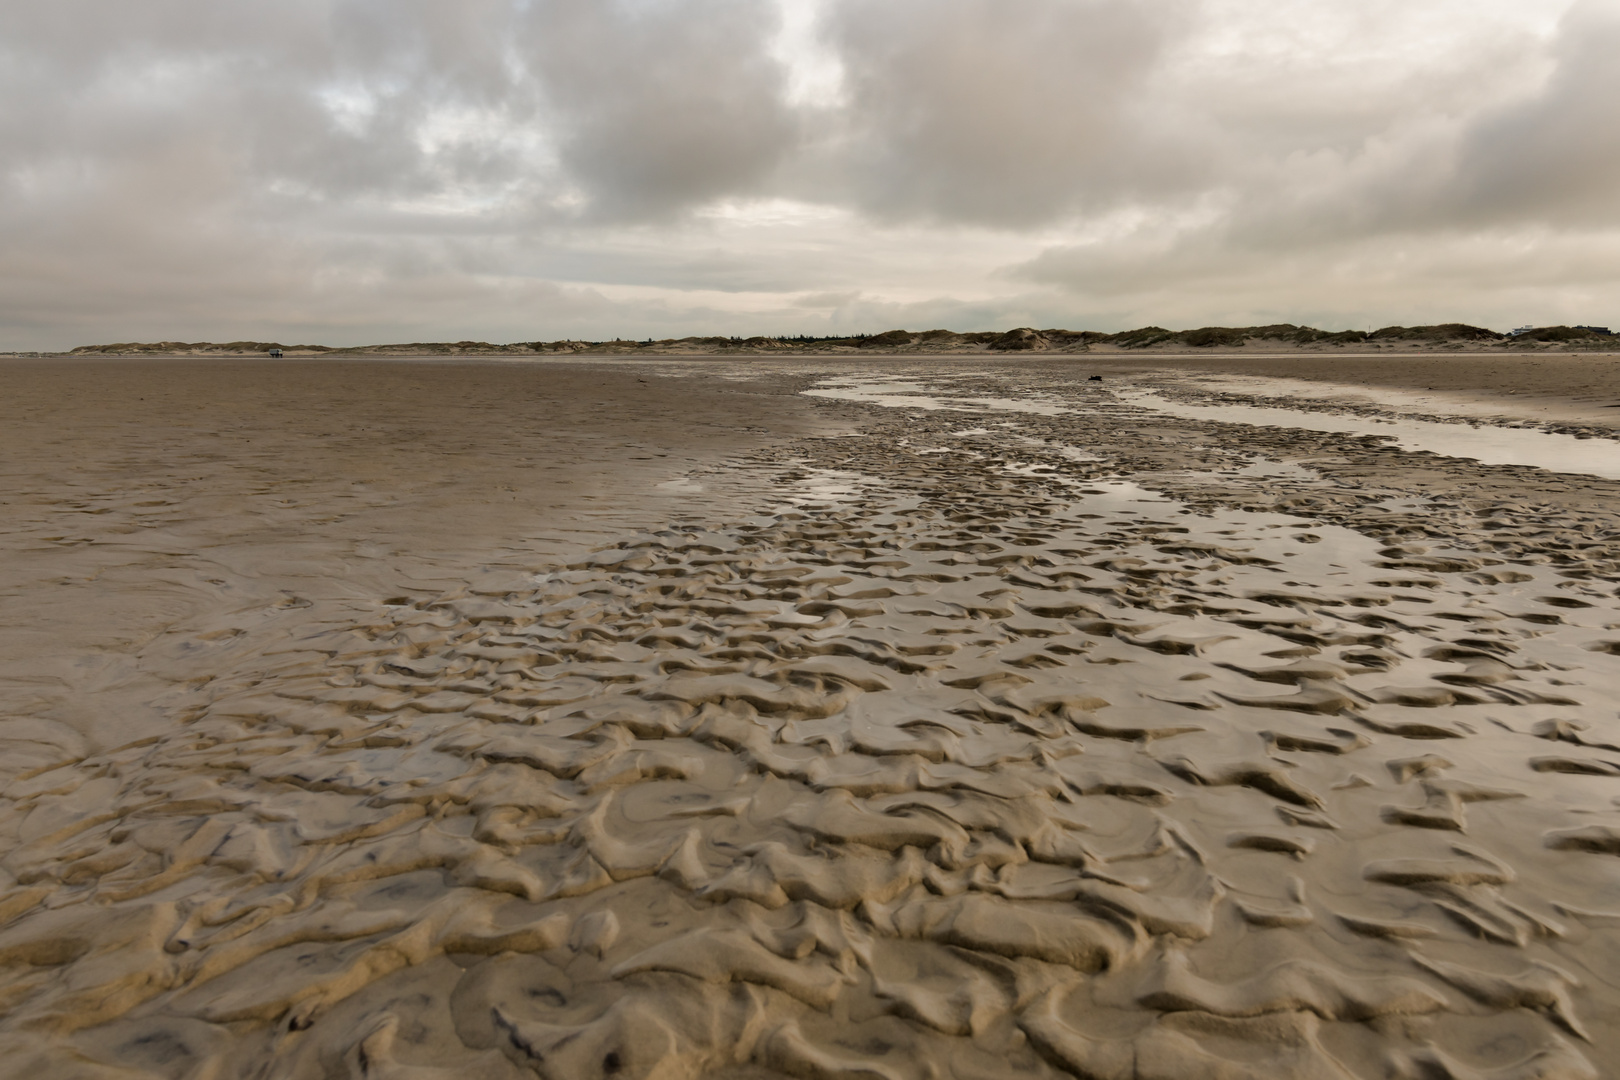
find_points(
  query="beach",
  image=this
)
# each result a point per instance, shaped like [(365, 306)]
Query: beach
[(895, 717)]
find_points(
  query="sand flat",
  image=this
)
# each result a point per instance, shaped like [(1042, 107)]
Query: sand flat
[(421, 720)]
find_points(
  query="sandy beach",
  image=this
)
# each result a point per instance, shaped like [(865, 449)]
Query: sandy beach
[(896, 718)]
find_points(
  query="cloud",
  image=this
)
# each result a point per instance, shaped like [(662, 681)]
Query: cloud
[(364, 169), (660, 106), (1479, 185), (968, 110), (1554, 156)]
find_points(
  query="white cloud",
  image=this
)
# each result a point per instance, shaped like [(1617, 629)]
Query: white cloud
[(815, 71)]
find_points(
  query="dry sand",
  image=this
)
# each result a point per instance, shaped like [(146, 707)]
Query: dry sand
[(649, 719)]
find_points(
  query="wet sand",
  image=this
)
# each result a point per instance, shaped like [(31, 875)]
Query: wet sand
[(655, 719), (1564, 387)]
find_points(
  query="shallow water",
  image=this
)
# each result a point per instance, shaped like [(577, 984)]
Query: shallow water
[(1264, 466), (1419, 402), (1489, 445), (902, 394)]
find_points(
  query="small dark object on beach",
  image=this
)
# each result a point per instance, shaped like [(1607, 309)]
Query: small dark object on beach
[(1095, 378)]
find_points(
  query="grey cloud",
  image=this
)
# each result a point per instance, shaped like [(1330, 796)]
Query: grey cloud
[(349, 165), (827, 300), (697, 264), (208, 160), (634, 107), (662, 105), (1547, 158), (980, 111), (1508, 202), (1555, 157), (1496, 281)]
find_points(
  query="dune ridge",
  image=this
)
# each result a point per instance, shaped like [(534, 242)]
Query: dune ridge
[(1449, 336)]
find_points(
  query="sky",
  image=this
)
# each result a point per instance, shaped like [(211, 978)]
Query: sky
[(361, 171)]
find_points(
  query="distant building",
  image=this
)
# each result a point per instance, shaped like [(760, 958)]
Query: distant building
[(1588, 329)]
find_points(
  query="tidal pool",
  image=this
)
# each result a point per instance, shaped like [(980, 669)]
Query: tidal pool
[(1487, 444)]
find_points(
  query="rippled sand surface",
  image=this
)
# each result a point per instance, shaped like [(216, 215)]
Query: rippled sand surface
[(871, 742)]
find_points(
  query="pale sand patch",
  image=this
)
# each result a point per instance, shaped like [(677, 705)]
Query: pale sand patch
[(1092, 742)]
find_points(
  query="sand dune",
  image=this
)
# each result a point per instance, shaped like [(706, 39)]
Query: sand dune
[(1022, 341), (893, 743)]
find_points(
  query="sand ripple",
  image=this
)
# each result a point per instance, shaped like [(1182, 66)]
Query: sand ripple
[(955, 776)]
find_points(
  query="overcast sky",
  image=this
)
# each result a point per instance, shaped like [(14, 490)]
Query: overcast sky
[(350, 171)]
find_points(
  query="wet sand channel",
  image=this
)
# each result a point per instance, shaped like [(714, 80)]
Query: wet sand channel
[(1015, 728)]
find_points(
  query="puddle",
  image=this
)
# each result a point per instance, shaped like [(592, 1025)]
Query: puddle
[(825, 486), (1488, 445), (1261, 468), (1046, 470), (1430, 402), (1283, 470), (901, 394), (1036, 469)]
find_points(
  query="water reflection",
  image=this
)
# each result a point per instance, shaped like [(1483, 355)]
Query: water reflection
[(1486, 444)]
